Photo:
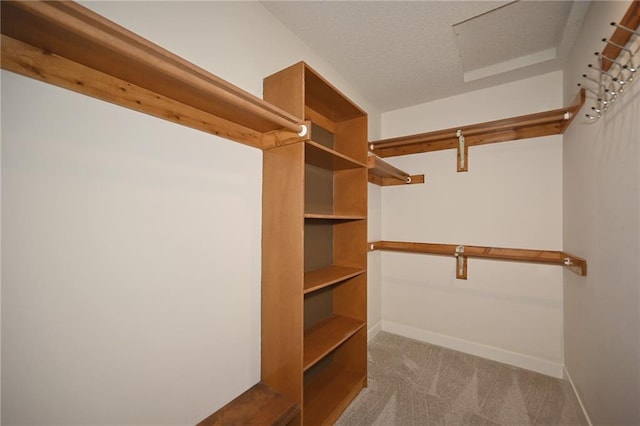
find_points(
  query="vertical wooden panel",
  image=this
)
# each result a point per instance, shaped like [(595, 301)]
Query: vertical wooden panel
[(282, 269), (351, 138), (285, 89), (350, 191)]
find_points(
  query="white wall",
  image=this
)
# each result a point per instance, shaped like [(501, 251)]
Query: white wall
[(511, 197), (374, 261), (602, 224), (131, 246)]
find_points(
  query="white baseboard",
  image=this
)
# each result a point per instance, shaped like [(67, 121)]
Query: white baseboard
[(567, 377), (373, 330), (538, 365)]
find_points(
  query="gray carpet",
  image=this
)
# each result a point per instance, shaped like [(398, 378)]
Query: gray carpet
[(415, 383)]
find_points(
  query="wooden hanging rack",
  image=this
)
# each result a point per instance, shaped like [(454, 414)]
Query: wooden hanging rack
[(68, 45), (509, 129), (576, 264)]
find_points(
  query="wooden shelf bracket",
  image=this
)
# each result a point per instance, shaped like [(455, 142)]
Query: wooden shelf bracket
[(461, 253)]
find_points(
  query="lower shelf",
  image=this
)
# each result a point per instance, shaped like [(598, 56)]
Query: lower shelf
[(326, 336), (329, 393)]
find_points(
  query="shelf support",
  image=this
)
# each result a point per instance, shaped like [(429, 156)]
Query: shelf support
[(554, 257), (463, 152), (461, 263)]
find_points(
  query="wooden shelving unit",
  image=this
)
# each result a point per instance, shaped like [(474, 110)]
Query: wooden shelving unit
[(314, 280)]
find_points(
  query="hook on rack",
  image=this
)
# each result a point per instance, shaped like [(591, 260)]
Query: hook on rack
[(616, 69)]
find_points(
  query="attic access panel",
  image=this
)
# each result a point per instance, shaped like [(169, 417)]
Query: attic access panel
[(517, 35)]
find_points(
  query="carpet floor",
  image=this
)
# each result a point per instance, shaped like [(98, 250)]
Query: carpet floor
[(415, 383)]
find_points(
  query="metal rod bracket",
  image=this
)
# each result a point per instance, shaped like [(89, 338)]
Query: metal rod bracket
[(462, 152)]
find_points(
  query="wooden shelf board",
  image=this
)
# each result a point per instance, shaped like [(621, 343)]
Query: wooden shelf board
[(334, 216), (329, 394), (384, 174), (259, 405), (326, 158), (321, 278), (73, 32), (391, 181), (525, 126), (324, 337)]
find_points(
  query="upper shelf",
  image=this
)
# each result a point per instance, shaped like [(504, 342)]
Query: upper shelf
[(98, 49), (526, 126)]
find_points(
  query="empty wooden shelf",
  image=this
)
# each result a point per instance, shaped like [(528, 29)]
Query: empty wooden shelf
[(320, 278), (329, 392), (324, 337)]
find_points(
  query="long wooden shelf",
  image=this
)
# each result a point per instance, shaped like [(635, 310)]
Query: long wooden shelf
[(525, 126), (384, 174), (324, 337), (66, 44), (575, 263), (329, 393), (321, 278)]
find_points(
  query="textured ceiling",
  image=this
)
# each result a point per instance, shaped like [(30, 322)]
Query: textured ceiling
[(402, 53)]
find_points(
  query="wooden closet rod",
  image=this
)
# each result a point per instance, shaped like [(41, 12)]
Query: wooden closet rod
[(576, 264), (525, 126), (77, 34)]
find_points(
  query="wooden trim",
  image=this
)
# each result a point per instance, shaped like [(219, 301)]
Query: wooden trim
[(517, 254), (631, 19), (525, 126), (81, 36)]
